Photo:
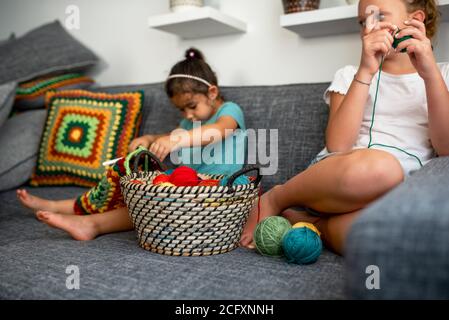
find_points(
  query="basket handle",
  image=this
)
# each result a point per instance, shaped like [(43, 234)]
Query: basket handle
[(137, 154), (242, 171)]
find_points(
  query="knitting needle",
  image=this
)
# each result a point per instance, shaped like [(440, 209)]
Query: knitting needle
[(111, 162)]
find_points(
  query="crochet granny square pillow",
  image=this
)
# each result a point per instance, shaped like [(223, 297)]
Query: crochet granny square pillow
[(31, 94), (83, 130)]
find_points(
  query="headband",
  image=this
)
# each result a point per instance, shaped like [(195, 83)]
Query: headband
[(189, 77)]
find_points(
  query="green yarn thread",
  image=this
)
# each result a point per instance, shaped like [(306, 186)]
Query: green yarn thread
[(370, 144), (268, 235)]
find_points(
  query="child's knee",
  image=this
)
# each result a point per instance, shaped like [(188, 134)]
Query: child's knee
[(370, 172)]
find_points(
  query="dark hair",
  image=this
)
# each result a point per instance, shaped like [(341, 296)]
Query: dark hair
[(195, 65)]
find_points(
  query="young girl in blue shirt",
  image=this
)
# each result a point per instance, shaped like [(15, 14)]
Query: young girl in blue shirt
[(208, 122)]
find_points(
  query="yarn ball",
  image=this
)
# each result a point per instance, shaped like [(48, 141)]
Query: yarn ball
[(184, 176), (161, 179), (302, 245), (268, 235), (239, 180), (166, 184), (209, 183), (311, 226)]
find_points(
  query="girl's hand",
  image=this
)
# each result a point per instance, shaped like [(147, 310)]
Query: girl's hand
[(144, 141), (162, 146), (375, 44), (419, 49)]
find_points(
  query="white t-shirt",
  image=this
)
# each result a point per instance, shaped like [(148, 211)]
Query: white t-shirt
[(401, 117)]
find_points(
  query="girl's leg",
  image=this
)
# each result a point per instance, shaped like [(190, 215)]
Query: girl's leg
[(334, 228), (36, 203), (103, 197), (90, 226), (339, 184)]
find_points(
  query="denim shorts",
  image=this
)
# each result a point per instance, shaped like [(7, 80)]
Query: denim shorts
[(322, 156)]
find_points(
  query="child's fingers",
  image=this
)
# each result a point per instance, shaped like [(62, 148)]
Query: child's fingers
[(391, 28), (406, 43), (415, 33), (164, 154), (381, 47), (132, 147), (385, 38), (158, 150), (416, 23), (154, 148), (411, 49), (381, 35)]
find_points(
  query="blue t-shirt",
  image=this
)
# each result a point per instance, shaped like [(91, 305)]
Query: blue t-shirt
[(222, 157)]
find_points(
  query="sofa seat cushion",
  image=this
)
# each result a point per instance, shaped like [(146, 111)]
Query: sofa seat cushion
[(35, 258)]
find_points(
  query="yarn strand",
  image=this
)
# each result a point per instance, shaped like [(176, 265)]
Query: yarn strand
[(370, 144)]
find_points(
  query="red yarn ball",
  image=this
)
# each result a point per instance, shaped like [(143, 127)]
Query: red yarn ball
[(184, 176), (161, 179)]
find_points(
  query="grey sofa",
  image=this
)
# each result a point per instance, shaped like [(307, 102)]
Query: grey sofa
[(405, 234)]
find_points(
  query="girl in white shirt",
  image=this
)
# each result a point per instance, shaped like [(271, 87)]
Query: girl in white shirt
[(372, 144)]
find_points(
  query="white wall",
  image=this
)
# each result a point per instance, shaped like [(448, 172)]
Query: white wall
[(132, 53)]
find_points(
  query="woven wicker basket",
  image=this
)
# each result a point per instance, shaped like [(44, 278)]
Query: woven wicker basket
[(187, 221)]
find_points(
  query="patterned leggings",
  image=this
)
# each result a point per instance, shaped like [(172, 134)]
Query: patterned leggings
[(106, 195)]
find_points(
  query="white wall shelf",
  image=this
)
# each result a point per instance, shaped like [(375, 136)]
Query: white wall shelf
[(197, 23), (331, 21)]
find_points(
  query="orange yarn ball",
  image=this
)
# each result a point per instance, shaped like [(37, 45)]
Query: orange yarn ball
[(209, 183), (184, 176), (162, 178)]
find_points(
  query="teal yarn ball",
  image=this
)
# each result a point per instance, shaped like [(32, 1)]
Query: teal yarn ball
[(268, 235), (302, 246)]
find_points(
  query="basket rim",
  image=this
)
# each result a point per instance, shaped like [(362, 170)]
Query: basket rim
[(125, 181)]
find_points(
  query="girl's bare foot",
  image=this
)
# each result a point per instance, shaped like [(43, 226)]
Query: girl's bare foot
[(34, 203), (77, 226), (268, 207)]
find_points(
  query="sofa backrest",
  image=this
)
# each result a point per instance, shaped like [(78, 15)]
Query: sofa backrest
[(297, 111)]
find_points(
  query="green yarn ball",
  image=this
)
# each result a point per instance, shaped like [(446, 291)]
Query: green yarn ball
[(302, 246), (268, 235)]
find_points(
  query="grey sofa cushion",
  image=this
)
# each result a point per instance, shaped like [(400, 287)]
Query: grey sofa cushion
[(4, 41), (34, 258), (19, 143), (47, 49), (406, 235), (7, 94), (299, 114)]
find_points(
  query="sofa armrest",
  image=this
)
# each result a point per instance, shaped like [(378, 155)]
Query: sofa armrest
[(406, 235)]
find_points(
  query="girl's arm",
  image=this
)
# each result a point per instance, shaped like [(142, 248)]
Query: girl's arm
[(346, 114), (145, 141), (208, 133), (438, 109), (346, 111), (419, 49), (200, 136)]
